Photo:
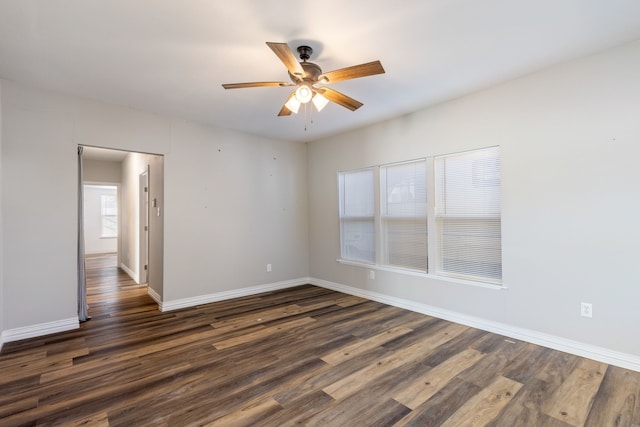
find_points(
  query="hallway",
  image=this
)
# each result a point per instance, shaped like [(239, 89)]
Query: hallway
[(110, 289)]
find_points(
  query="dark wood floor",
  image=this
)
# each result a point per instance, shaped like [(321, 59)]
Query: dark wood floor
[(301, 356)]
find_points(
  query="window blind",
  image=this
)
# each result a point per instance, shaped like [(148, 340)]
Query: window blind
[(403, 214), (357, 215), (109, 214), (468, 205)]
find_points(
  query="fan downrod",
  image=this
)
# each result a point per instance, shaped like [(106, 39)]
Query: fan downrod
[(305, 52)]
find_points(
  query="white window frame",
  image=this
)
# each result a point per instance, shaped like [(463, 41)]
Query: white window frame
[(433, 244), (471, 197)]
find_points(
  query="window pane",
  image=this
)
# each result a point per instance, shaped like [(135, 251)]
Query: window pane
[(109, 211), (109, 204), (406, 242), (357, 189), (357, 211), (358, 239), (469, 183), (403, 207), (468, 214), (471, 247)]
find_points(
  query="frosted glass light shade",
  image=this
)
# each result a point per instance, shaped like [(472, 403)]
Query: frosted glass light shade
[(320, 101), (293, 105)]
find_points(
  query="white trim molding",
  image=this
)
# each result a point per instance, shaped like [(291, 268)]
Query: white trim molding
[(225, 295), (154, 296), (40, 329), (130, 272), (601, 354)]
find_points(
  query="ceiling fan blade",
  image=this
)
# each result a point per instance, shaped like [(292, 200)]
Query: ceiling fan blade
[(284, 111), (255, 84), (287, 57), (340, 98), (353, 72)]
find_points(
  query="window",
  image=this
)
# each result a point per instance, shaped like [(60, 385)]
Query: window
[(403, 215), (468, 214), (465, 238), (109, 214), (357, 215)]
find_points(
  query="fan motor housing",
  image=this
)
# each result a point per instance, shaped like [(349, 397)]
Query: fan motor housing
[(311, 73)]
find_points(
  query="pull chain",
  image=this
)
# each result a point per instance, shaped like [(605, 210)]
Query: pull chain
[(310, 116)]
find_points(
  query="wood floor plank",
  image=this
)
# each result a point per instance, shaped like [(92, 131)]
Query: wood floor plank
[(422, 388), (442, 405), (485, 406), (22, 358), (572, 401), (108, 360), (525, 408), (500, 354), (616, 403), (299, 410), (358, 412), (360, 379), (329, 376), (249, 415), (529, 362), (48, 364), (100, 419), (298, 356), (82, 400), (362, 346), (264, 333), (18, 405)]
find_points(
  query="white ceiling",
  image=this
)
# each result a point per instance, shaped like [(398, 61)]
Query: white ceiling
[(171, 57)]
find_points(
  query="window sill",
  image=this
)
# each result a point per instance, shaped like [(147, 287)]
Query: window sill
[(417, 273)]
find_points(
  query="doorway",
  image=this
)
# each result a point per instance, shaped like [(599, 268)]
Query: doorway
[(139, 178)]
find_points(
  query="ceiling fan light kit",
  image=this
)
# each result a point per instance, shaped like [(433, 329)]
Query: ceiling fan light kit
[(304, 93), (306, 75)]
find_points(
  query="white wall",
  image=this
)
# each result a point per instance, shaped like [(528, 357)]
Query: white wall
[(39, 159), (570, 139), (226, 213), (248, 197), (132, 166), (94, 242)]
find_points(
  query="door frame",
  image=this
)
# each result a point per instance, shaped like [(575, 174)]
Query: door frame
[(143, 223)]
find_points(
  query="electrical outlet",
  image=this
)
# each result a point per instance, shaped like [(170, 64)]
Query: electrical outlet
[(586, 309), (268, 268), (372, 274)]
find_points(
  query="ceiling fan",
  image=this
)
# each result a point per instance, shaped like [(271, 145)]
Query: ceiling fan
[(307, 75)]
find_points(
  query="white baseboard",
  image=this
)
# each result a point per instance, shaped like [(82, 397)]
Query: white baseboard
[(39, 330), (130, 272), (235, 293), (154, 295), (623, 360), (100, 252)]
